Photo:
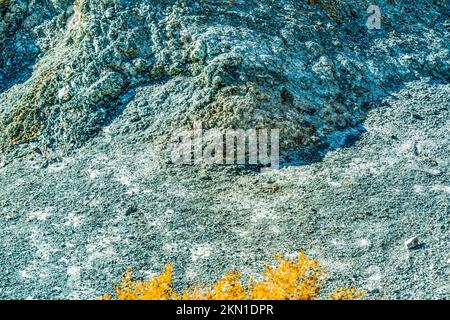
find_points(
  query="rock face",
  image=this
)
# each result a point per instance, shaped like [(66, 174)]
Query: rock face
[(311, 68), (90, 92)]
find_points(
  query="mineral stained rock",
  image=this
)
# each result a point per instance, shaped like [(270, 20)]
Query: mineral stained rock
[(310, 68)]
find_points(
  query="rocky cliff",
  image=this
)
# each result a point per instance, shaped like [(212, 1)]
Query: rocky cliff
[(90, 92)]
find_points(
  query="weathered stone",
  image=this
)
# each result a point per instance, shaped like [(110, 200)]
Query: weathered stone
[(235, 64)]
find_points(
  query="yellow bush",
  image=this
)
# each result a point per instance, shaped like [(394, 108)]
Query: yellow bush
[(291, 279)]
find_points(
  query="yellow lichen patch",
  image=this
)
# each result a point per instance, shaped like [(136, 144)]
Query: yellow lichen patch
[(291, 279), (25, 136)]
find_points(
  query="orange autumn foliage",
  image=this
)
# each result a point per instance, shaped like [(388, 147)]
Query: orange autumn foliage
[(290, 279)]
